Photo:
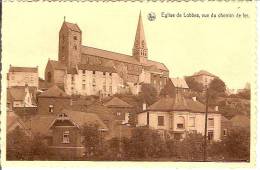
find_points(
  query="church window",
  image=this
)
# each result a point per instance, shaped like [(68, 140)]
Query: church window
[(75, 38), (66, 137), (49, 77)]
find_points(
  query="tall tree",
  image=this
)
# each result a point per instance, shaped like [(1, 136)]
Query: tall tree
[(193, 84), (149, 94)]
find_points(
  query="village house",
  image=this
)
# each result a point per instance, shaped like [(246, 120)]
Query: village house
[(20, 97), (63, 131), (175, 85), (178, 116), (21, 76), (203, 77), (53, 100), (120, 109), (84, 70)]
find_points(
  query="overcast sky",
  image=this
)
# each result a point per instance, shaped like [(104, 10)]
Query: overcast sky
[(224, 47)]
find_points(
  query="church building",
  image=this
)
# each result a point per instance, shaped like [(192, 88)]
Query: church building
[(85, 70)]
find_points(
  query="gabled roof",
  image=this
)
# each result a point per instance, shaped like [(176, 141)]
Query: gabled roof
[(23, 69), (14, 121), (116, 102), (57, 65), (72, 27), (96, 68), (178, 103), (81, 118), (54, 91), (203, 72), (119, 57), (179, 83)]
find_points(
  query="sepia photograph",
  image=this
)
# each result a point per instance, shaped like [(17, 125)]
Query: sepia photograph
[(128, 82)]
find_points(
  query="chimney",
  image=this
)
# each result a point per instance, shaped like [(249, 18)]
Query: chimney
[(194, 98), (216, 108), (144, 106)]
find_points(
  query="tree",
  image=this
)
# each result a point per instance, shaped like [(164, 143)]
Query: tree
[(145, 143), (217, 85), (193, 84), (93, 141), (148, 94), (20, 146)]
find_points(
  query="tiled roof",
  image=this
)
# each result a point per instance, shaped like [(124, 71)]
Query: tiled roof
[(119, 57), (96, 68), (81, 118), (13, 120), (23, 69), (203, 72), (18, 93), (102, 111), (179, 103), (73, 27), (54, 91), (57, 65), (116, 102), (179, 83)]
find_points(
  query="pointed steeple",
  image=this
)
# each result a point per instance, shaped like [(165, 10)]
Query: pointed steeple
[(140, 50)]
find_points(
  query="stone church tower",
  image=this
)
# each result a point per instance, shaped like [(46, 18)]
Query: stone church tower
[(70, 38), (140, 51)]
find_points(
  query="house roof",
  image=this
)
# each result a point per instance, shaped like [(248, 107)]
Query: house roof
[(71, 26), (57, 65), (81, 118), (203, 72), (179, 83), (178, 103), (96, 68), (54, 91), (102, 111), (17, 93), (13, 121), (119, 57), (23, 69), (116, 102)]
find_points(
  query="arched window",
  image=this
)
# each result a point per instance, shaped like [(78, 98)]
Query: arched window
[(49, 77)]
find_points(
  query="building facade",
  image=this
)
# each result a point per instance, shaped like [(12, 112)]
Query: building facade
[(94, 70), (179, 116), (21, 76)]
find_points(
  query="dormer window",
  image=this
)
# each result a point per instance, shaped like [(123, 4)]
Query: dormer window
[(50, 108)]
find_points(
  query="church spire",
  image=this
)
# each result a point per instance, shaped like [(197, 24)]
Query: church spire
[(140, 50)]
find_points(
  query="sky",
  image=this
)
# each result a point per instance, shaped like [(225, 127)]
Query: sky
[(222, 46)]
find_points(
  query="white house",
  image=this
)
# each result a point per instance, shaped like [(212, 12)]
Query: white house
[(178, 116)]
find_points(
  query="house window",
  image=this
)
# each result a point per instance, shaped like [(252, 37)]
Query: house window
[(75, 47), (210, 135), (225, 132), (94, 82), (110, 74), (211, 122), (50, 108), (110, 89), (177, 136), (180, 122), (104, 73), (66, 137), (75, 37), (83, 86), (192, 121), (83, 71), (118, 113), (94, 72), (160, 120)]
